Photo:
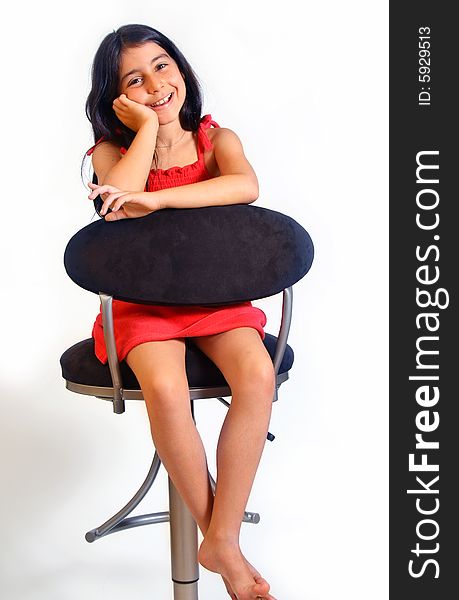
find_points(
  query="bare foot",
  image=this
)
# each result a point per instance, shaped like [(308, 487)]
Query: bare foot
[(242, 581), (257, 577)]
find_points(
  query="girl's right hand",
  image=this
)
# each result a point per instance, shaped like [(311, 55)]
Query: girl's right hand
[(133, 114)]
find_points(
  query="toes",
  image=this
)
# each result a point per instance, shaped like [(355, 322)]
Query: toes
[(261, 589)]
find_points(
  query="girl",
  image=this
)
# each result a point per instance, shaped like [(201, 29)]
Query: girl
[(145, 109)]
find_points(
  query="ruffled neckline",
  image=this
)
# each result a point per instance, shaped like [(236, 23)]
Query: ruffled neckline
[(202, 138), (176, 170)]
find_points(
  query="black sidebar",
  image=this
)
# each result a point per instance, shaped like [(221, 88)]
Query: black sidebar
[(424, 272)]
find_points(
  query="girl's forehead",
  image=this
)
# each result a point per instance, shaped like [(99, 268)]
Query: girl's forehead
[(139, 56)]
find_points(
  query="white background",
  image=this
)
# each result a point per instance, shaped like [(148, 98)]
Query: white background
[(306, 91)]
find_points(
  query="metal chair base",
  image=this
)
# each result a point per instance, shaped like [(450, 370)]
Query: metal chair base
[(183, 529), (183, 532)]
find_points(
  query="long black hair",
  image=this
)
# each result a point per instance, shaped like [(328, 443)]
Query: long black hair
[(105, 83)]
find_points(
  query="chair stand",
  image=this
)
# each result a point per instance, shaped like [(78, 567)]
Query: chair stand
[(184, 548), (183, 529)]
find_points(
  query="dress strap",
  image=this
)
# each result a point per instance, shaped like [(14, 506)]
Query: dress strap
[(101, 139), (91, 150), (203, 141)]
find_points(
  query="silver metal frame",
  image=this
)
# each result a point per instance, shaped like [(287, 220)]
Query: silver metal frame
[(183, 529), (112, 355), (107, 393)]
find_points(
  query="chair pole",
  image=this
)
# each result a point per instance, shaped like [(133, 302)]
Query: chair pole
[(184, 548), (112, 355), (184, 544)]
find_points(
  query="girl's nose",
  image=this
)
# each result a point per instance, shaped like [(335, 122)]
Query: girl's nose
[(154, 83)]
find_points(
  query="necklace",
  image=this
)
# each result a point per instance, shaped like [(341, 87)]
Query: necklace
[(173, 144)]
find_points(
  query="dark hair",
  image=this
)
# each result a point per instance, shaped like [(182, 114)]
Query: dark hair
[(105, 83)]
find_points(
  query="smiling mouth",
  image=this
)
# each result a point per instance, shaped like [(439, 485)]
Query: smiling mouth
[(162, 102)]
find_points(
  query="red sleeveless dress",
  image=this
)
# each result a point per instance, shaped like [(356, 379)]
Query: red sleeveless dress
[(135, 324)]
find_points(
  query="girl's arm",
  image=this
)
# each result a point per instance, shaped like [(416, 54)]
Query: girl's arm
[(236, 184), (128, 172)]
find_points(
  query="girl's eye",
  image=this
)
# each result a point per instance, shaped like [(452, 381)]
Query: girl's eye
[(135, 80), (161, 66)]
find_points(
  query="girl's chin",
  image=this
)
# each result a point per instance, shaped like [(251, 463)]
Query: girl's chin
[(165, 119)]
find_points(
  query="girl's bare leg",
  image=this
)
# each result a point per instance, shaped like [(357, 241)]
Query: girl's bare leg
[(248, 369), (160, 370)]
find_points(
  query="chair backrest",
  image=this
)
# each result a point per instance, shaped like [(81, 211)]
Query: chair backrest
[(197, 256)]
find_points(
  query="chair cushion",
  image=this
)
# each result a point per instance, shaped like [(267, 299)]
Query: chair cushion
[(80, 365)]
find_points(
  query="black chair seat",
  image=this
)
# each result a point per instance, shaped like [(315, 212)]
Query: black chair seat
[(80, 365)]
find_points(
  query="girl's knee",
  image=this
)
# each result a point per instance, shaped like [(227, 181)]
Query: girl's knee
[(256, 375), (166, 392)]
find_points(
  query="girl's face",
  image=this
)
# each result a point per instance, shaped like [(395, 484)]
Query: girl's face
[(148, 75)]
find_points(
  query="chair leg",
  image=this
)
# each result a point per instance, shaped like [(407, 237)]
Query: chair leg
[(184, 548), (119, 521)]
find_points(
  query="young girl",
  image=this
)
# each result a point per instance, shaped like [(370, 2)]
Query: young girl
[(145, 109)]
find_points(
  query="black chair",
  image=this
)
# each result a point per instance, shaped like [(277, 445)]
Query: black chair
[(201, 256)]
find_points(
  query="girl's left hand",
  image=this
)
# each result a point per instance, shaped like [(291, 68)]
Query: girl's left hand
[(124, 205)]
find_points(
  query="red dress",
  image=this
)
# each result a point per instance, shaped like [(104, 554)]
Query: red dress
[(135, 324)]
